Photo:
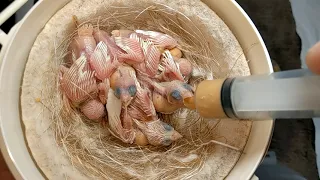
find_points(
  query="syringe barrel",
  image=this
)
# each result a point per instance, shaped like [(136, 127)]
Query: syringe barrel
[(287, 94)]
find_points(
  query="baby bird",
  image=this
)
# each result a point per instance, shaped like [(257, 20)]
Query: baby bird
[(169, 69), (114, 107), (102, 63), (175, 91), (80, 86), (158, 133), (125, 49), (134, 53), (126, 119), (77, 82), (103, 88), (162, 105), (141, 107), (83, 43), (151, 59), (184, 66), (122, 81), (93, 110), (159, 39), (113, 49)]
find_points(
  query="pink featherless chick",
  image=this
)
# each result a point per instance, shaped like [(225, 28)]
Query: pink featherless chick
[(94, 110), (158, 133), (141, 108), (176, 92), (152, 56), (122, 81), (134, 53), (104, 67), (79, 85), (131, 45), (185, 67), (143, 113), (77, 82), (83, 43), (102, 63), (168, 68), (113, 49), (122, 131), (125, 49), (162, 40)]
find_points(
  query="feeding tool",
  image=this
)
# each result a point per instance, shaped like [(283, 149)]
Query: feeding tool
[(287, 94)]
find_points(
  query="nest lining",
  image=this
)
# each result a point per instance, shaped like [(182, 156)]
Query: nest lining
[(95, 152)]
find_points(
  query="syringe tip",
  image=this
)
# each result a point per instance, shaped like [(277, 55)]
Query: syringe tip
[(189, 103)]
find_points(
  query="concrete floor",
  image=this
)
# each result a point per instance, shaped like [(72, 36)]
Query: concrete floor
[(293, 140)]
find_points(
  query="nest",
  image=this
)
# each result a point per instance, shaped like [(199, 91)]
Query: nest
[(94, 151)]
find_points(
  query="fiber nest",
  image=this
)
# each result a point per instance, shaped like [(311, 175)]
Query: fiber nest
[(94, 152)]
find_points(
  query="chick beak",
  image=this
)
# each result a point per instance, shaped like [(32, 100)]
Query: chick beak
[(175, 136), (188, 99), (126, 99), (189, 103)]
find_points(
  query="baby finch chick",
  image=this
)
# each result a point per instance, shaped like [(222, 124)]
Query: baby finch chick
[(142, 107), (93, 110), (185, 67), (77, 82), (122, 81), (149, 67), (114, 108), (158, 133), (113, 49), (169, 69), (175, 91), (162, 105), (102, 63), (159, 39), (83, 43), (133, 50)]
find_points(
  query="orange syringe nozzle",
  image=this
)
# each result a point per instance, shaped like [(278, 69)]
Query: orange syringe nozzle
[(207, 99)]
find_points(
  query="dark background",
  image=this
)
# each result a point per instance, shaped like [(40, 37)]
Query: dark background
[(293, 140)]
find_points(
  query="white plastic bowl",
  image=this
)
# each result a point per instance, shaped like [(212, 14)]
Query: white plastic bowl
[(16, 50)]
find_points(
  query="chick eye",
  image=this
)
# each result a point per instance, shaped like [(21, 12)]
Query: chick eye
[(132, 90), (166, 141), (167, 127), (176, 95), (117, 92), (187, 87)]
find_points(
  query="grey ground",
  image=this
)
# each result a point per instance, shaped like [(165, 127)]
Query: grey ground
[(293, 140)]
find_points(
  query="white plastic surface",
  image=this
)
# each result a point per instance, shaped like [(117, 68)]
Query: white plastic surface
[(14, 145)]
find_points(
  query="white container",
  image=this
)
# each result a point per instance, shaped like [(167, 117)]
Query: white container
[(16, 50)]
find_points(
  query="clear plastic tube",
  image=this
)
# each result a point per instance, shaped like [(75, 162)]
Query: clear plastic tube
[(287, 94)]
